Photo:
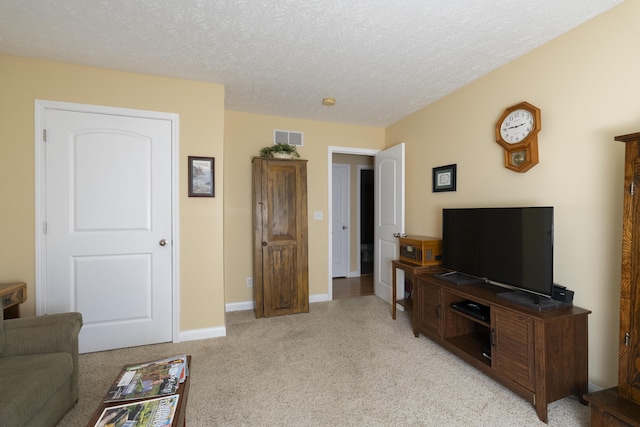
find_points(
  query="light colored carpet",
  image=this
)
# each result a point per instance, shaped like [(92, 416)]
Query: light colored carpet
[(345, 363)]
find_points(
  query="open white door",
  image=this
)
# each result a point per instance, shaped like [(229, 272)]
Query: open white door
[(389, 216)]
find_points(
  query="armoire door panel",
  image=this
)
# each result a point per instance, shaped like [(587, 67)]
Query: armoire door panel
[(282, 188), (281, 274)]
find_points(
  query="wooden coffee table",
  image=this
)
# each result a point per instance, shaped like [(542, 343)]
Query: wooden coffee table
[(179, 420)]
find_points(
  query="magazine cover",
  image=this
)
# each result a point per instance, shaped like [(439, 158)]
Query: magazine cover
[(153, 412), (179, 362), (149, 379)]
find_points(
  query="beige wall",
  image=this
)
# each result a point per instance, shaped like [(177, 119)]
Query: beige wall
[(245, 134), (586, 84), (201, 110)]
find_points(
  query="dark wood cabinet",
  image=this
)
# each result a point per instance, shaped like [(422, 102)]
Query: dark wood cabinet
[(621, 405), (540, 355), (280, 258), (429, 308)]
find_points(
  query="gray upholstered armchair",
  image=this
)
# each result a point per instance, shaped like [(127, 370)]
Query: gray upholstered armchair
[(38, 368)]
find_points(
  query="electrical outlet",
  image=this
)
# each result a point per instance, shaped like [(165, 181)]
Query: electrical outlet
[(249, 282)]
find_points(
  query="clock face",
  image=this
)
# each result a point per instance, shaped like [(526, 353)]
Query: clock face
[(517, 126)]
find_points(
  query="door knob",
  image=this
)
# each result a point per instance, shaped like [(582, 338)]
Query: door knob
[(163, 242), (264, 243), (344, 227)]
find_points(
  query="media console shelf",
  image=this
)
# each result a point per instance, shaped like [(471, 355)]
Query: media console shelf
[(540, 355)]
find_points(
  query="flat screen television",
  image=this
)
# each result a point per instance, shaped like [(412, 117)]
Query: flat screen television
[(507, 246)]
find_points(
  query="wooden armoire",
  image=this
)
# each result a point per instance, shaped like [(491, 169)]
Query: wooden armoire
[(280, 254), (620, 406)]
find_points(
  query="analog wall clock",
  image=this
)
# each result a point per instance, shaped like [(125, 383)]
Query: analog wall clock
[(517, 132)]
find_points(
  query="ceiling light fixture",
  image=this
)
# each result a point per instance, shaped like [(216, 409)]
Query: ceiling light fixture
[(329, 102)]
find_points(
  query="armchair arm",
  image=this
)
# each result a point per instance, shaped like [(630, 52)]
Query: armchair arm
[(42, 334)]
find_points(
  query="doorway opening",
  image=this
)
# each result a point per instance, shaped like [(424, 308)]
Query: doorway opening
[(366, 221), (362, 284), (359, 278)]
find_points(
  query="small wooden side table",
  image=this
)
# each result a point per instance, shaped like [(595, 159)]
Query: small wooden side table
[(410, 271), (12, 295)]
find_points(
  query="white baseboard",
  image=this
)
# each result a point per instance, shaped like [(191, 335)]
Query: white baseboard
[(250, 305), (318, 298), (203, 334), (239, 306)]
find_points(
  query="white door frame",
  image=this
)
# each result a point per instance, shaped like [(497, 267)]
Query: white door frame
[(331, 151), (41, 106)]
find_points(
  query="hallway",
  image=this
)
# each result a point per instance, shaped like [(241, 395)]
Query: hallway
[(352, 287)]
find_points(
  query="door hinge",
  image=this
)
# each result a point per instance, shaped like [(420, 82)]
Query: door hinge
[(627, 340), (44, 135), (44, 227)]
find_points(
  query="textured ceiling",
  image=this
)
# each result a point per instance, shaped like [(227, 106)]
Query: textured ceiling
[(381, 59)]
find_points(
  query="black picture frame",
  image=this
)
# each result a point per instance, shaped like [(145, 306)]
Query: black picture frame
[(444, 178), (202, 176)]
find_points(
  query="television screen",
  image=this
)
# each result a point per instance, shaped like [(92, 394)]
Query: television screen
[(506, 246)]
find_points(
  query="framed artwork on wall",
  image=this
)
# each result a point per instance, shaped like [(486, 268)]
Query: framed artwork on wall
[(444, 178), (201, 176)]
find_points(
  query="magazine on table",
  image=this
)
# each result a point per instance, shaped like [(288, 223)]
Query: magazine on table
[(149, 379), (156, 412)]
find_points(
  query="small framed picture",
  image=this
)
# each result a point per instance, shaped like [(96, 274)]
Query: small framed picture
[(201, 176), (444, 178)]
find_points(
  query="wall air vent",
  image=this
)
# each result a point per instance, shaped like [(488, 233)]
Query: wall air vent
[(287, 137)]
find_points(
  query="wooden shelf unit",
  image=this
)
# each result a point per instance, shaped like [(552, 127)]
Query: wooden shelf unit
[(620, 405), (280, 233), (540, 355)]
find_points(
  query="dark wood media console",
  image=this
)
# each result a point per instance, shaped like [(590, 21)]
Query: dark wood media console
[(540, 355)]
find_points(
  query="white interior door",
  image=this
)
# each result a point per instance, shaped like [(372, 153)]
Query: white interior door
[(389, 216), (340, 220), (108, 223)]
